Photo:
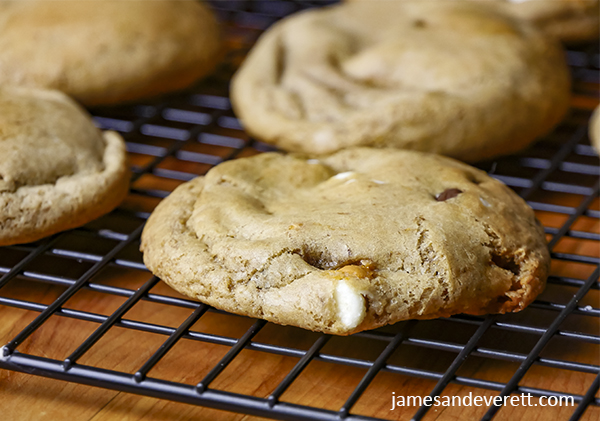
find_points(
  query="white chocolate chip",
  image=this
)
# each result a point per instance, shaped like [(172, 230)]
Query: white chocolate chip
[(485, 202), (313, 161), (350, 305), (344, 175), (378, 181)]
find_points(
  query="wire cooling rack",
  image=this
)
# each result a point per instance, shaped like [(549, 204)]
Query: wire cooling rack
[(550, 350)]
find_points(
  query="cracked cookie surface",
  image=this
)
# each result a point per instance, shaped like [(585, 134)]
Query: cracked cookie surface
[(107, 51), (444, 77), (354, 241), (57, 170)]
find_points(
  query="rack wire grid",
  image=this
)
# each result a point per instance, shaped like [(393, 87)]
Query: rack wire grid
[(551, 349)]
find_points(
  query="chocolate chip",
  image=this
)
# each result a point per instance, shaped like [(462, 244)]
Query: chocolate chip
[(447, 194)]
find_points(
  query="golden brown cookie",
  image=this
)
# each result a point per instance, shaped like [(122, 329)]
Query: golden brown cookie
[(568, 20), (452, 78), (57, 170), (357, 240), (107, 51)]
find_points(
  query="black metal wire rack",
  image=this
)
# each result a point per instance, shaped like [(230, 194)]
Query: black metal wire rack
[(179, 137)]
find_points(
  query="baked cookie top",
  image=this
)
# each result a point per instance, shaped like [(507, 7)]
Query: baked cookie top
[(568, 20), (453, 78), (57, 170), (104, 52), (354, 241)]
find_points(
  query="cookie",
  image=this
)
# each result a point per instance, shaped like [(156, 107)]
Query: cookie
[(594, 129), (567, 20), (105, 52), (354, 241), (57, 171), (452, 78)]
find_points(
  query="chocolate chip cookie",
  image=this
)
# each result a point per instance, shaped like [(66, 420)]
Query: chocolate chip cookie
[(353, 241)]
